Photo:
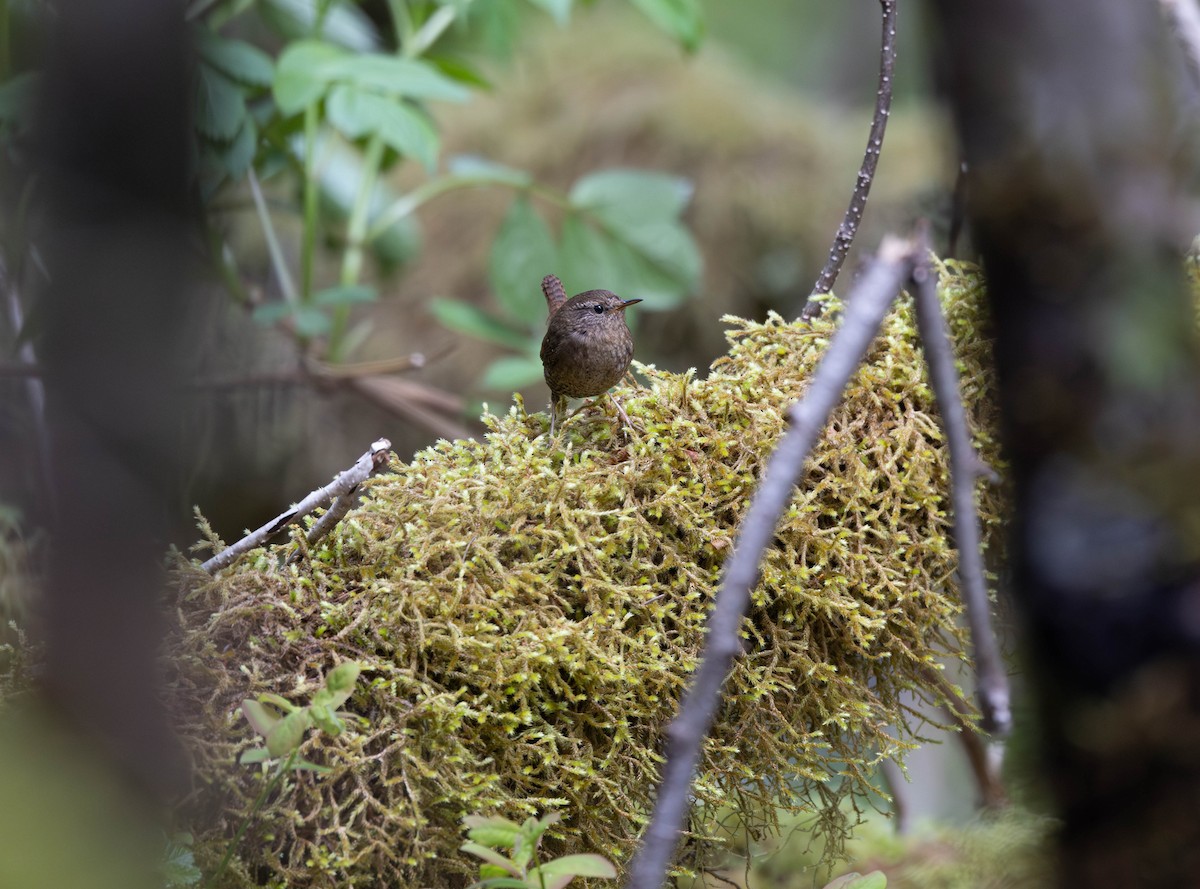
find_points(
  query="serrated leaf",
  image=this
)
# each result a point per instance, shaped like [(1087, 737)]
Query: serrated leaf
[(512, 372), (343, 296), (473, 321), (682, 19), (357, 113), (394, 75), (491, 856), (220, 106), (492, 831), (585, 865), (179, 864), (303, 74), (522, 254), (623, 197), (559, 9), (344, 24), (288, 733), (235, 58)]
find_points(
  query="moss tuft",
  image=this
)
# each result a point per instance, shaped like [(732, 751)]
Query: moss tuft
[(528, 617)]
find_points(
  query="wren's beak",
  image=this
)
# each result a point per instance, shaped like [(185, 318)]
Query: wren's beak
[(629, 302)]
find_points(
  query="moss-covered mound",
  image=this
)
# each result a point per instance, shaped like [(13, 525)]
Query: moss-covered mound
[(528, 616)]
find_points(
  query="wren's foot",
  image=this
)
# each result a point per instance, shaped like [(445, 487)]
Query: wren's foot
[(558, 407)]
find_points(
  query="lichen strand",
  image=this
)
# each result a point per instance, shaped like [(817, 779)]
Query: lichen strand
[(529, 616)]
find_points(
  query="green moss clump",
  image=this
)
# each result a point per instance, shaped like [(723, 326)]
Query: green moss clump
[(528, 616)]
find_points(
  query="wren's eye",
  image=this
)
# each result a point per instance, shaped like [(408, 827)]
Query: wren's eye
[(598, 309)]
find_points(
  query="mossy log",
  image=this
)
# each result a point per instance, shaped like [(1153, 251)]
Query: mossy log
[(528, 613)]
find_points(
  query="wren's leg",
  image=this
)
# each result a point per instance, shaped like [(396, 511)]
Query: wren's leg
[(558, 407)]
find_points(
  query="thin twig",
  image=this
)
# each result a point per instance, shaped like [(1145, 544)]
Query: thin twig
[(344, 485), (865, 310), (992, 681), (958, 210), (1185, 22), (866, 173)]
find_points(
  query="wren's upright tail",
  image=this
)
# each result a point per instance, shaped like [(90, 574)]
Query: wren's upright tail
[(552, 289)]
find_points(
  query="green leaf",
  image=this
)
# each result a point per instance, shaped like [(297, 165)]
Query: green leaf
[(303, 74), (512, 372), (502, 883), (492, 857), (179, 864), (397, 76), (469, 166), (343, 296), (345, 25), (309, 321), (559, 9), (261, 718), (220, 106), (341, 680), (585, 865), (303, 765), (626, 197), (492, 831), (682, 19), (473, 321), (325, 719), (522, 254), (458, 70), (257, 754), (239, 154), (235, 58), (357, 113), (288, 733)]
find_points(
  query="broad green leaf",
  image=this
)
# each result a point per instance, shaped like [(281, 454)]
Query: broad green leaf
[(473, 321), (491, 856), (261, 718), (356, 113), (522, 254), (669, 250), (625, 197), (503, 883), (682, 19), (398, 76), (236, 59), (220, 106), (309, 321), (469, 166), (342, 296), (288, 733), (341, 680), (559, 9), (585, 865), (345, 25), (492, 831), (303, 74), (303, 765), (458, 70), (512, 372), (239, 154)]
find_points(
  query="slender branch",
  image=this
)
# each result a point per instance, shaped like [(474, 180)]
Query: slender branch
[(1185, 22), (865, 310), (276, 252), (992, 681), (958, 210), (866, 173), (344, 485)]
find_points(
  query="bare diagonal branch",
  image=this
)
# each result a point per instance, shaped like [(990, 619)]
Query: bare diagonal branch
[(865, 310)]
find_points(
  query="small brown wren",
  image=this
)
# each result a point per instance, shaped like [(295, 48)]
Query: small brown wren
[(587, 347)]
